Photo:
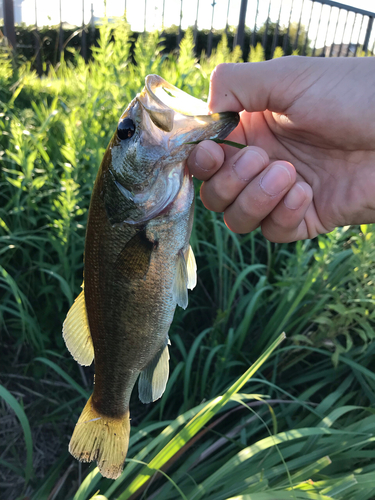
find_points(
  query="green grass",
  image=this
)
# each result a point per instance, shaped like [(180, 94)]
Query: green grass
[(303, 427)]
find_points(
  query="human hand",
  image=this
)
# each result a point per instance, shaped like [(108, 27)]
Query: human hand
[(310, 165)]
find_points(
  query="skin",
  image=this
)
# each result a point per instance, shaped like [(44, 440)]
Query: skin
[(310, 162)]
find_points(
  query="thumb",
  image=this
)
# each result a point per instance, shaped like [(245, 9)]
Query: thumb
[(256, 86)]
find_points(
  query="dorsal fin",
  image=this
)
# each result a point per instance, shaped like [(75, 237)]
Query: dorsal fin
[(154, 377), (76, 332)]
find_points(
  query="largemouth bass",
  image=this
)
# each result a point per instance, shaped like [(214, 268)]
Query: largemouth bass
[(138, 263)]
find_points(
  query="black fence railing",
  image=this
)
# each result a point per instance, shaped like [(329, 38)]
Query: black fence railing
[(355, 25), (313, 27)]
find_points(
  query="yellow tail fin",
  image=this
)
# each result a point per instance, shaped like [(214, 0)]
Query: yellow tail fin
[(101, 438)]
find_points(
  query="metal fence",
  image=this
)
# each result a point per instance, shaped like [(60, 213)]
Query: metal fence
[(316, 27)]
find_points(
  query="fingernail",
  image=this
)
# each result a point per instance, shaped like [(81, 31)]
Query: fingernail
[(275, 180), (248, 165), (295, 198), (204, 159)]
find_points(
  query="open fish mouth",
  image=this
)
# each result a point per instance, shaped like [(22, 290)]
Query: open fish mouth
[(165, 94), (182, 117)]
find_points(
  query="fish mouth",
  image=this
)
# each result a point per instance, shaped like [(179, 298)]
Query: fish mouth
[(181, 117), (167, 95)]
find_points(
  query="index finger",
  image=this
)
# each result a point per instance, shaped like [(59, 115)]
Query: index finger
[(207, 157), (255, 86)]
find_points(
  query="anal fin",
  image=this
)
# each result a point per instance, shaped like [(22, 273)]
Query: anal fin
[(76, 332), (153, 379)]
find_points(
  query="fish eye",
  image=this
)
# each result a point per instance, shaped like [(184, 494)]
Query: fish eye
[(125, 129)]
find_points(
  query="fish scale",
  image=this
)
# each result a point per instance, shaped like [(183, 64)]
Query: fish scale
[(138, 263)]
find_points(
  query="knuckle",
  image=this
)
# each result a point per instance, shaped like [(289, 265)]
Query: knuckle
[(219, 72), (223, 196), (209, 200), (252, 207), (273, 236), (219, 192), (282, 222), (245, 206)]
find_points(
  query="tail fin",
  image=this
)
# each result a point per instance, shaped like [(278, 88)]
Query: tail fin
[(101, 438)]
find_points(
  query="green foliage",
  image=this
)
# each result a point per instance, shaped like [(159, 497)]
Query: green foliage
[(304, 426), (278, 53), (256, 54)]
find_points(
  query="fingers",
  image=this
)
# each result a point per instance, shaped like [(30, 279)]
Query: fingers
[(208, 156), (205, 160), (251, 192), (218, 192), (287, 222), (260, 197), (256, 86)]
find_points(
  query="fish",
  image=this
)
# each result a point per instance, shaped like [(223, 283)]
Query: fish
[(138, 263)]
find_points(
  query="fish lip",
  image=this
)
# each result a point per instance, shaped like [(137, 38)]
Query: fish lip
[(219, 127), (154, 82)]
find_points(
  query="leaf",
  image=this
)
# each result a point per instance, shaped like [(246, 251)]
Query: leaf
[(65, 376), (18, 410), (222, 141)]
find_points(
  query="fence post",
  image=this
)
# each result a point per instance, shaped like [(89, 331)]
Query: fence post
[(180, 27), (253, 34), (368, 34), (276, 33), (196, 27), (265, 34), (9, 23), (92, 24), (38, 45), (83, 34), (162, 17), (226, 24), (239, 38), (144, 20), (209, 41), (295, 45), (61, 41)]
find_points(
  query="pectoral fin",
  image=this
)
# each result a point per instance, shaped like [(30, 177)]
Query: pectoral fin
[(191, 267), (76, 332), (154, 377), (180, 284), (134, 259)]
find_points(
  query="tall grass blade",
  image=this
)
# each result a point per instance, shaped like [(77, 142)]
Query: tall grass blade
[(18, 410)]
